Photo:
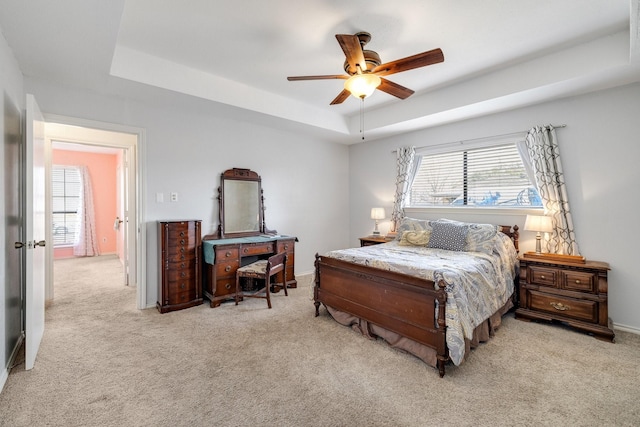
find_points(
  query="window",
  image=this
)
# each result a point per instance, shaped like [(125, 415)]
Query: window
[(66, 186), (484, 176)]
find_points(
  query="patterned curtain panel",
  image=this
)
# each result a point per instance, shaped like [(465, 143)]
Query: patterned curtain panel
[(404, 163), (542, 144), (86, 243)]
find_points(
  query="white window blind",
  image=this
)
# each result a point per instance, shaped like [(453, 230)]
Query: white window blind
[(66, 186), (485, 176)]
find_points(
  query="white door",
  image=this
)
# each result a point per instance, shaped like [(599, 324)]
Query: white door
[(121, 247), (34, 231), (130, 231)]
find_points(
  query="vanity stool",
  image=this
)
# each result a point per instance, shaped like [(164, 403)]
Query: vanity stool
[(263, 269)]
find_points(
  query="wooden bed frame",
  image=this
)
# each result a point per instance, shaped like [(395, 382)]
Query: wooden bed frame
[(397, 302)]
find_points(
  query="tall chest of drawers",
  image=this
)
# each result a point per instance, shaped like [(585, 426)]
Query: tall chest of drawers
[(572, 293), (179, 265)]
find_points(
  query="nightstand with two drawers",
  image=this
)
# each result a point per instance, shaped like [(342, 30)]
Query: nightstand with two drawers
[(573, 293)]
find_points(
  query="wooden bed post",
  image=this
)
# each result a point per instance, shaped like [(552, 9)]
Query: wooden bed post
[(442, 351), (317, 284)]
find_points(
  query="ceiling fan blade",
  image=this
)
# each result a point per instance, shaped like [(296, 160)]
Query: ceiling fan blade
[(296, 78), (395, 89), (409, 63), (352, 49), (341, 97)]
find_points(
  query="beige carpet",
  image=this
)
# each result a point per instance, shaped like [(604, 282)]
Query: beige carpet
[(104, 363)]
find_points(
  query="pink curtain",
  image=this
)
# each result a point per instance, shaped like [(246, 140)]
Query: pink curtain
[(86, 243)]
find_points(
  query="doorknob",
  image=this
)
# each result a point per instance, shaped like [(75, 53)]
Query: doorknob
[(40, 243), (18, 245), (116, 223)]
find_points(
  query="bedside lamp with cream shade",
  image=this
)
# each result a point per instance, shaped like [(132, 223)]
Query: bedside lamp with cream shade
[(539, 224), (377, 214)]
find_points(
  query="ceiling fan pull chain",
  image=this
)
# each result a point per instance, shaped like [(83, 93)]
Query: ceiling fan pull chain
[(362, 117)]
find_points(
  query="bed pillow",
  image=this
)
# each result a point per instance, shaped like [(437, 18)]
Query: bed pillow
[(447, 235), (480, 237), (415, 238), (412, 224)]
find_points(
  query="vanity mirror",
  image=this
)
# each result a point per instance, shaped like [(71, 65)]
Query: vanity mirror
[(241, 204)]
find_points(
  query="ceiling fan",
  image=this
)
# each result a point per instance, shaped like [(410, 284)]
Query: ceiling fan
[(365, 71)]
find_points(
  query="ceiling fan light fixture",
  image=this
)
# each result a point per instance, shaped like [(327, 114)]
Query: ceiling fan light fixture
[(362, 85)]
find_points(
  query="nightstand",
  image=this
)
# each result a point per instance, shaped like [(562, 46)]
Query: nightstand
[(571, 293), (374, 240)]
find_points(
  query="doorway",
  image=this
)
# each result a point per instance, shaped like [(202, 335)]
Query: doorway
[(122, 235)]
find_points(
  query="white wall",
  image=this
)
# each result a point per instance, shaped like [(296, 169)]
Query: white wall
[(600, 151), (189, 143), (11, 84)]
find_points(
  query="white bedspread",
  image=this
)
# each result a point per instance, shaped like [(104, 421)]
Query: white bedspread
[(477, 284)]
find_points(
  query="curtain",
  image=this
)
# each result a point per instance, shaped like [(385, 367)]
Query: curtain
[(86, 243), (544, 153), (404, 164)]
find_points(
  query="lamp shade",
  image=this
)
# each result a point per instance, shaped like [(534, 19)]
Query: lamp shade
[(539, 223), (377, 213), (362, 85)]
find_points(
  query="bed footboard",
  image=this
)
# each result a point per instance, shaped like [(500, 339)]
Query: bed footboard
[(406, 305)]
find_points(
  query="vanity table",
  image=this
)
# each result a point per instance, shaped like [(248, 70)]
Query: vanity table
[(242, 236), (223, 257)]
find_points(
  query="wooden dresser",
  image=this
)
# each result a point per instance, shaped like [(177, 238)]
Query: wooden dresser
[(223, 257), (572, 293), (179, 265)]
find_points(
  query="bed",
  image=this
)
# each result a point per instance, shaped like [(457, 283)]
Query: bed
[(436, 291)]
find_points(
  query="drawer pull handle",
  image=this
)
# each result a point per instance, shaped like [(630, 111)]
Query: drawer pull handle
[(542, 277), (228, 286), (227, 254), (182, 234), (245, 250), (182, 286), (577, 281), (182, 257), (227, 268), (286, 247), (183, 274), (182, 242), (559, 306), (182, 250), (183, 265)]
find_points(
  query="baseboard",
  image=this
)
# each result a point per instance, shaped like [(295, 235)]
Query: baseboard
[(4, 375), (3, 378), (626, 328)]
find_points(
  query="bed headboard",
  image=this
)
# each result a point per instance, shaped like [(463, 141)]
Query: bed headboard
[(513, 233)]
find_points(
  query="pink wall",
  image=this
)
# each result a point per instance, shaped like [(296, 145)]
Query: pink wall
[(102, 170)]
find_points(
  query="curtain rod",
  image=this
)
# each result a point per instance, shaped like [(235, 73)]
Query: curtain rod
[(462, 141)]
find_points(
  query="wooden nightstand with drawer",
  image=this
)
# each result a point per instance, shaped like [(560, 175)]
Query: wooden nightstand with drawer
[(374, 240), (571, 293)]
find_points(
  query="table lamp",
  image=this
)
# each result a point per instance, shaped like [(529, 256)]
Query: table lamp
[(377, 214), (538, 223)]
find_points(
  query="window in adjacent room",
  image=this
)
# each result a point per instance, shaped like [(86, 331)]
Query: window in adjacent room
[(475, 176), (66, 187)]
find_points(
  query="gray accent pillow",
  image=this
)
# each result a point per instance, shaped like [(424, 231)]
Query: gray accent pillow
[(448, 235)]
